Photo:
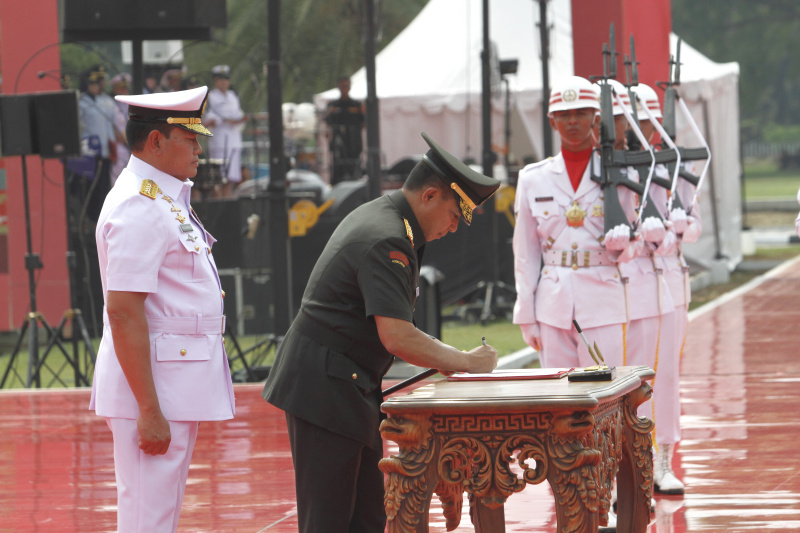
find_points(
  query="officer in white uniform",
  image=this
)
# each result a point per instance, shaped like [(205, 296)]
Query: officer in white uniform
[(565, 267), (225, 115), (161, 366), (683, 227)]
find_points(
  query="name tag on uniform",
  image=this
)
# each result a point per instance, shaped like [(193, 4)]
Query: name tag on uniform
[(544, 199)]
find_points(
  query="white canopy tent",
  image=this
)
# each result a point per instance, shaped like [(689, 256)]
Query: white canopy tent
[(429, 79)]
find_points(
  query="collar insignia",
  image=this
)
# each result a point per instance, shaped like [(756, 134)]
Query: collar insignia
[(409, 233)]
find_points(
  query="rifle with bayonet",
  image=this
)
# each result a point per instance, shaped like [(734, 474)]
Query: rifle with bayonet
[(671, 97), (647, 207), (614, 162)]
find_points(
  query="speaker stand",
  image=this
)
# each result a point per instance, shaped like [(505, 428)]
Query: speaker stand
[(253, 371)]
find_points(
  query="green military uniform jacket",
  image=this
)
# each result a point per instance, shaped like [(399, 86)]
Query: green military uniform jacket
[(328, 368)]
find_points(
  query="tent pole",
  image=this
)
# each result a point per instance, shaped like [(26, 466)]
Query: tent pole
[(544, 34), (372, 119)]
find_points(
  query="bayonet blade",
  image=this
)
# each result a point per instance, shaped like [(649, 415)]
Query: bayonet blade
[(612, 65)]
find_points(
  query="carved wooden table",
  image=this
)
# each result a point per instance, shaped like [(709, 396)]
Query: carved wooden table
[(457, 437)]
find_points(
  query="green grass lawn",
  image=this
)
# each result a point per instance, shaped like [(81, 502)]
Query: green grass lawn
[(763, 179)]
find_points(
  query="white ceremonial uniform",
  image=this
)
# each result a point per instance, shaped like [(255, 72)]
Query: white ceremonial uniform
[(157, 246), (579, 278), (650, 309), (226, 144), (665, 410)]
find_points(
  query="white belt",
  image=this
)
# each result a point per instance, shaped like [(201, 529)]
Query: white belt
[(184, 325), (577, 258)]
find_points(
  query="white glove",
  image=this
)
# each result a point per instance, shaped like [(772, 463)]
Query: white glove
[(693, 230), (632, 251), (678, 218), (668, 245), (531, 335), (618, 238), (653, 230)]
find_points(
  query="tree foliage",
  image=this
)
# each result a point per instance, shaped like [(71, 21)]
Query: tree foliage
[(320, 41), (764, 38)]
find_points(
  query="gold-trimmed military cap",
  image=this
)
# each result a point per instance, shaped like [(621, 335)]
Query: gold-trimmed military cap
[(221, 71), (96, 73), (180, 108), (472, 188)]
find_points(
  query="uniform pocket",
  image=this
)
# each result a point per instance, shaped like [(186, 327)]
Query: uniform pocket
[(182, 348), (193, 260), (339, 366), (545, 209)]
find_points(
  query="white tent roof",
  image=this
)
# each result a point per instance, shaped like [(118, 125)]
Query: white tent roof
[(438, 53)]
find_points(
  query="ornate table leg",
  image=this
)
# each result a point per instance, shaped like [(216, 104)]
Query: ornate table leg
[(573, 473), (635, 477), (412, 475)]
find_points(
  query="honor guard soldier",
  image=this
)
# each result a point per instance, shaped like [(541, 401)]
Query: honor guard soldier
[(684, 227), (161, 366), (564, 265), (356, 315)]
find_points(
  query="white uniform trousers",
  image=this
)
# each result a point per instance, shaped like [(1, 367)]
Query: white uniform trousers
[(150, 487), (653, 342), (564, 348), (666, 387)]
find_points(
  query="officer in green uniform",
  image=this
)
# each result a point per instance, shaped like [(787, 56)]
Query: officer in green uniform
[(356, 314)]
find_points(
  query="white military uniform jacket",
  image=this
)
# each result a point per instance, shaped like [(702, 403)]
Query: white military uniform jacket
[(563, 289), (157, 245)]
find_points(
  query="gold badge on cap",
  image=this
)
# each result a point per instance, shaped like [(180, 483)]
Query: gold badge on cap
[(569, 95), (575, 215)]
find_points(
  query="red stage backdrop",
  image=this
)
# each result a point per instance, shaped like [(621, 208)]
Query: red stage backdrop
[(28, 45), (650, 22)]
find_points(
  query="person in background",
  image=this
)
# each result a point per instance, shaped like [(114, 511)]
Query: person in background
[(98, 141), (225, 115), (171, 80), (161, 365), (345, 118), (120, 85)]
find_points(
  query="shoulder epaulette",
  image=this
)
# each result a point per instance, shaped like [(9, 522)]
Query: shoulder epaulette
[(149, 188)]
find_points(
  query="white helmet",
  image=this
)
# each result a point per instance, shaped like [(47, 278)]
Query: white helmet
[(572, 93), (622, 91), (646, 96)]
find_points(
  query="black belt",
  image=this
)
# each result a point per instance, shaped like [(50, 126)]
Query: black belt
[(336, 341)]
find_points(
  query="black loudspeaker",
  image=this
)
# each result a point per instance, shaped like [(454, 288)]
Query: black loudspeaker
[(16, 137), (107, 20), (40, 123), (56, 123)]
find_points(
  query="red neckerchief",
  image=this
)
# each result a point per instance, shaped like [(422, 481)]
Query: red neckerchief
[(576, 165)]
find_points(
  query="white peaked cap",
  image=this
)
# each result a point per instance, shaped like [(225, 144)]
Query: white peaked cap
[(180, 108)]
